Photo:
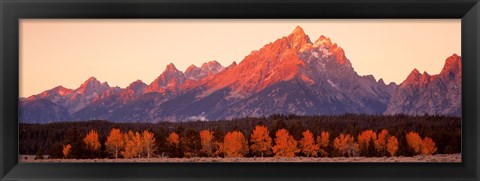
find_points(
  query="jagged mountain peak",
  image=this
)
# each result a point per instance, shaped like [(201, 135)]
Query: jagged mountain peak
[(91, 80), (171, 68), (212, 66), (92, 84), (288, 76), (452, 66), (323, 41), (138, 81), (298, 31), (381, 81), (170, 79), (233, 64), (281, 60), (298, 39), (62, 90), (339, 54), (60, 87), (413, 77), (207, 69), (136, 84), (59, 90), (451, 70), (430, 94), (134, 89), (415, 71), (191, 67)]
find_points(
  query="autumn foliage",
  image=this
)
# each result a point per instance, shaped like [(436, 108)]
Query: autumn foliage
[(366, 141), (261, 141), (173, 139), (207, 142), (307, 144), (428, 146), (66, 150), (133, 145), (91, 141), (392, 145), (143, 144), (418, 145), (414, 142), (50, 139), (115, 142), (234, 144), (345, 145), (173, 144), (285, 144), (148, 141), (323, 142), (381, 142)]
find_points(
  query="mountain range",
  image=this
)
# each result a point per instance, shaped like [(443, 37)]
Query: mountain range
[(292, 75)]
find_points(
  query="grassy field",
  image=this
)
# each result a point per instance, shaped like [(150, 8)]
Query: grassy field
[(447, 158)]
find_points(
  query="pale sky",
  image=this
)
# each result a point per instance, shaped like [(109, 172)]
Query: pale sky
[(67, 52)]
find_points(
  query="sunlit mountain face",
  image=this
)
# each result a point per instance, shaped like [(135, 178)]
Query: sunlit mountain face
[(291, 75)]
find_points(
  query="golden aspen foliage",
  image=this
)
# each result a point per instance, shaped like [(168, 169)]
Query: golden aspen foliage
[(307, 144), (261, 141), (285, 144), (381, 141), (323, 141), (129, 151), (66, 150), (392, 145), (414, 142), (340, 142), (137, 139), (365, 137), (173, 139), (115, 142), (91, 141), (173, 145), (234, 144), (133, 145), (148, 140), (345, 145), (206, 140), (428, 146)]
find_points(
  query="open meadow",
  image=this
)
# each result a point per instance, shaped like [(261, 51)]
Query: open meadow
[(446, 158)]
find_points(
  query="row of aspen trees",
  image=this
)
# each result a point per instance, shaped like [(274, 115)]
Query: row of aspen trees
[(367, 143), (128, 145)]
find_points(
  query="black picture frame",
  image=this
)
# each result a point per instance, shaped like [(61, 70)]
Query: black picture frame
[(13, 10)]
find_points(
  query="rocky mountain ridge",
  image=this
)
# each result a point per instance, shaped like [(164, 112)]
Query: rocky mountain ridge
[(291, 75)]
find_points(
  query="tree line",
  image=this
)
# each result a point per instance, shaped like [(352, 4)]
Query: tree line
[(141, 145), (342, 135)]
